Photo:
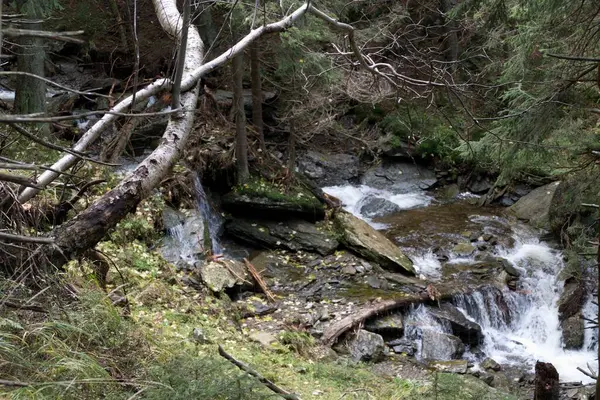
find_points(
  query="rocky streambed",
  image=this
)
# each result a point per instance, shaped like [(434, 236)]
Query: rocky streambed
[(412, 277)]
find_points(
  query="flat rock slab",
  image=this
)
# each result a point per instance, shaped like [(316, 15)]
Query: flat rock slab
[(535, 206), (399, 177), (468, 331), (292, 235), (224, 274), (305, 207), (364, 240)]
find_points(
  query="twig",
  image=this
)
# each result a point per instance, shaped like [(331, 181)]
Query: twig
[(19, 180), (587, 373), (259, 280), (28, 307), (41, 118), (25, 239), (4, 382), (283, 393)]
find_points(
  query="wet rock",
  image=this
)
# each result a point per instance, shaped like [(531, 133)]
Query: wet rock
[(225, 274), (399, 178), (487, 237), (187, 238), (453, 366), (264, 338), (292, 235), (508, 267), (366, 346), (172, 218), (361, 238), (474, 236), (573, 329), (376, 282), (468, 331), (440, 346), (378, 207), (450, 192), (535, 206), (571, 300), (480, 185), (392, 148), (329, 169), (307, 207), (403, 346), (490, 364), (464, 249), (388, 325)]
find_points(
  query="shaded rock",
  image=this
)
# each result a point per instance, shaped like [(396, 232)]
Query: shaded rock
[(361, 238), (390, 325), (571, 300), (225, 274), (464, 249), (453, 366), (440, 346), (508, 267), (366, 346), (291, 235), (468, 331), (491, 364), (573, 329), (377, 282), (390, 146), (264, 338), (535, 206), (378, 207), (405, 346), (399, 178), (349, 270), (305, 207), (480, 185), (172, 218), (329, 169)]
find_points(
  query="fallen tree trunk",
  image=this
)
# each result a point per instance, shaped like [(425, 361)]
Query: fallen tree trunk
[(336, 329)]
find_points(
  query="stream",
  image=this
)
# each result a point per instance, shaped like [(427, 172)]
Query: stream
[(520, 326)]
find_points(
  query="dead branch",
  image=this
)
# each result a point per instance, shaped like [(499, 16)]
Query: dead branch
[(21, 180), (27, 307), (61, 36), (259, 280), (283, 393), (9, 237)]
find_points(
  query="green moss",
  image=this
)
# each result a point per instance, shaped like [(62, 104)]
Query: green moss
[(258, 187)]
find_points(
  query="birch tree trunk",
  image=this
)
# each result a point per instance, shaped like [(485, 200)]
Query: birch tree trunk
[(89, 227)]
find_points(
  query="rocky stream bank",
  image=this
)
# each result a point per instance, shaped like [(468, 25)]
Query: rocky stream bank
[(410, 276)]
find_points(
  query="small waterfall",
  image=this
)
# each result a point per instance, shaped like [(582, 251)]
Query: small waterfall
[(211, 218)]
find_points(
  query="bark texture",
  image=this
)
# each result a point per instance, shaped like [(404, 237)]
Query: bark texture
[(546, 382)]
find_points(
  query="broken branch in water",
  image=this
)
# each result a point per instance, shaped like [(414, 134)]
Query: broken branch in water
[(283, 393)]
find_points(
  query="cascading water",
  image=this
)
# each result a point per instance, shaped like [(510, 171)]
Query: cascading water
[(208, 213)]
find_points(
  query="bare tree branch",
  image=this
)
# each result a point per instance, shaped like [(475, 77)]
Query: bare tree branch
[(61, 36)]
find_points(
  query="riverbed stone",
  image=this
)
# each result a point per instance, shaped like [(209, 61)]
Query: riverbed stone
[(292, 235), (329, 169), (573, 329), (440, 346), (264, 338), (390, 324), (222, 275), (366, 346), (463, 249), (363, 239), (403, 346), (377, 207), (468, 331), (452, 366), (490, 364), (535, 206)]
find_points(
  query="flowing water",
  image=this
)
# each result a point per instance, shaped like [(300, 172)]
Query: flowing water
[(520, 327)]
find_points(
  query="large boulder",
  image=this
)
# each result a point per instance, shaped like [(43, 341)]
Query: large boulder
[(366, 346), (377, 207), (468, 331), (440, 346), (329, 169), (224, 274), (535, 206), (399, 178), (274, 205), (292, 235), (571, 300), (363, 239), (573, 332)]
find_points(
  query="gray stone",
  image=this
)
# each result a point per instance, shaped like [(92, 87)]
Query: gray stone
[(487, 237), (480, 185), (440, 346), (571, 300), (399, 178), (292, 235), (264, 338), (284, 208), (199, 336), (172, 218), (464, 249), (349, 270), (225, 274), (509, 267), (468, 331), (403, 346), (535, 206), (329, 169), (453, 366), (378, 207), (390, 325), (490, 364), (573, 329), (363, 239), (366, 346)]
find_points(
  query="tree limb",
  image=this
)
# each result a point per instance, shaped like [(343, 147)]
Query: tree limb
[(62, 36), (9, 237), (283, 393)]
